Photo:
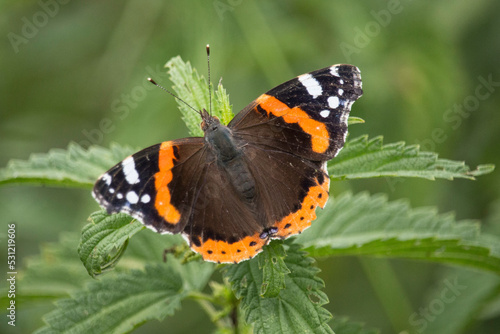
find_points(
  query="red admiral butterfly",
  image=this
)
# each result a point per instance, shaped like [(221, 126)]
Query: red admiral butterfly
[(260, 177)]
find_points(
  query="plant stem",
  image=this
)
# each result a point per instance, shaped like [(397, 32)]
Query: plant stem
[(234, 317), (207, 304)]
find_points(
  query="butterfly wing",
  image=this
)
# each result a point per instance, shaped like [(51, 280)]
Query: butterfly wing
[(306, 116), (143, 185), (289, 134)]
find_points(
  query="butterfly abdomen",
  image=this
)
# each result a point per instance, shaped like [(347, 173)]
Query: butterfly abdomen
[(241, 178)]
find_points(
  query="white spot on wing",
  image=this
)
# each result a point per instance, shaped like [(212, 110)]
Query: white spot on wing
[(145, 198), (312, 85), (324, 113), (334, 70), (341, 81), (106, 178), (132, 197), (119, 196), (112, 190), (333, 102), (129, 170), (340, 91)]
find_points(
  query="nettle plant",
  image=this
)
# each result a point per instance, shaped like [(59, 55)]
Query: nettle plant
[(145, 276)]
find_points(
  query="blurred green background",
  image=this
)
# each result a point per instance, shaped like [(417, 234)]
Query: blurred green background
[(76, 71)]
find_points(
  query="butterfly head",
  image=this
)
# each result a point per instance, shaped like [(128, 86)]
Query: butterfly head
[(209, 123)]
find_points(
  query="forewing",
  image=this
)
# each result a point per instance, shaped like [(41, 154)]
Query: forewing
[(306, 116), (145, 184)]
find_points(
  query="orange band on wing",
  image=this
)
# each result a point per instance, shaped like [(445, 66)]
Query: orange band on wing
[(162, 179), (319, 134), (296, 222), (224, 252)]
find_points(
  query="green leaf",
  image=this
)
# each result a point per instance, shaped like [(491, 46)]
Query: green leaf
[(274, 269), (193, 89), (149, 247), (355, 120), (363, 158), (119, 304), (222, 106), (296, 309), (74, 167), (105, 239), (370, 225)]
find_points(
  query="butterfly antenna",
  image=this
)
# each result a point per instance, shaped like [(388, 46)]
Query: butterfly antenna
[(209, 82), (178, 98)]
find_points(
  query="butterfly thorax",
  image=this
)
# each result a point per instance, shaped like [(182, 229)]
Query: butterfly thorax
[(229, 156)]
